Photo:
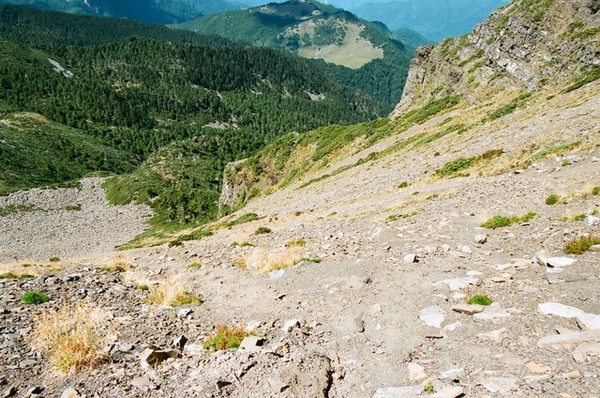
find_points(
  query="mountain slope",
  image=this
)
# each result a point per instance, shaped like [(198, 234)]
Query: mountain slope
[(361, 54), (152, 11), (139, 95), (434, 19)]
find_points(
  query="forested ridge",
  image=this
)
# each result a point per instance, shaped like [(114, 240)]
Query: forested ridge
[(180, 110)]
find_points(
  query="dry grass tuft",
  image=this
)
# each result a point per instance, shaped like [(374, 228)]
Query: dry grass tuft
[(72, 337), (264, 261), (172, 292)]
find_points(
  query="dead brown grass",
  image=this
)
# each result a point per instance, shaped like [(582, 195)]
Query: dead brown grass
[(267, 261), (71, 337)]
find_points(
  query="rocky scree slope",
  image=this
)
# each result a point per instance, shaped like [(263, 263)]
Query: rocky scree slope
[(397, 226)]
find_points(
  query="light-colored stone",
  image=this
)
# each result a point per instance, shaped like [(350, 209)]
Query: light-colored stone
[(416, 372), (291, 324), (560, 262), (502, 385), (410, 258), (457, 283), (558, 309), (398, 392), (277, 385), (588, 321), (70, 393), (536, 368), (432, 316), (494, 335), (491, 312), (591, 221), (594, 248), (143, 383), (468, 309), (251, 343), (451, 373), (155, 357), (568, 340), (376, 307), (466, 249), (585, 350), (481, 238)]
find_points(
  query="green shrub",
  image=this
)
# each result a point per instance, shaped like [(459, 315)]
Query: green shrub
[(244, 219), (262, 230), (497, 222), (480, 300), (194, 265), (296, 243), (580, 244), (226, 338), (196, 235), (552, 199), (144, 287), (54, 259), (176, 243), (596, 191), (34, 298), (455, 165)]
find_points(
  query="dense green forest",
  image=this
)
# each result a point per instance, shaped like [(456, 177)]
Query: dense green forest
[(177, 111), (30, 26), (153, 11), (383, 78)]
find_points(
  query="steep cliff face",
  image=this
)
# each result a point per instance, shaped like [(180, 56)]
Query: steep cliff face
[(524, 46)]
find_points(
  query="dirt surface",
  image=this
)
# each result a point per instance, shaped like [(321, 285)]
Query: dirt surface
[(374, 317)]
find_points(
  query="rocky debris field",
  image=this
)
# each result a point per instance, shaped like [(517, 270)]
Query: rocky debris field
[(65, 223), (355, 286)]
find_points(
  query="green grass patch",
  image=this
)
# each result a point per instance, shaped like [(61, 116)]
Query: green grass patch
[(508, 108), (262, 230), (503, 221), (581, 244), (596, 191), (243, 219), (555, 149), (552, 199), (588, 76), (243, 244), (226, 338), (451, 168), (480, 299), (296, 243), (34, 298), (196, 235)]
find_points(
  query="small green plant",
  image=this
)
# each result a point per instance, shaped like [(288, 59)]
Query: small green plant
[(454, 166), (113, 268), (429, 388), (34, 298), (226, 338), (503, 221), (243, 219), (580, 244), (262, 230), (312, 260), (194, 266), (403, 184), (243, 244), (76, 207), (552, 199), (392, 217), (144, 287), (480, 299), (596, 191), (296, 243), (176, 243), (555, 149), (54, 259), (196, 235)]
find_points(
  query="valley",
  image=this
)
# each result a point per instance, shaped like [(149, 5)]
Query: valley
[(263, 230)]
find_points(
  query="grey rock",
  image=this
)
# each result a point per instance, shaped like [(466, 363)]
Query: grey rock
[(561, 310), (277, 385), (552, 278), (588, 321), (416, 372), (594, 248), (143, 383), (590, 221), (252, 344), (398, 392), (35, 390), (179, 342), (184, 312), (9, 392), (432, 316), (221, 384), (585, 350), (360, 325), (449, 392), (468, 309), (410, 258), (481, 238), (502, 385), (290, 325), (457, 283), (155, 357), (569, 340), (493, 311), (276, 274)]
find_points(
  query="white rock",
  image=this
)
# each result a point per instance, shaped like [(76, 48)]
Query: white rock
[(457, 283), (416, 372), (491, 312), (376, 307), (70, 393), (591, 220), (567, 340), (449, 392), (560, 262), (594, 248), (502, 385), (432, 316), (585, 350), (468, 309), (410, 258), (494, 335), (398, 392), (451, 327), (558, 309), (451, 373), (466, 249), (588, 321), (291, 324), (481, 239), (277, 385), (251, 344), (541, 258)]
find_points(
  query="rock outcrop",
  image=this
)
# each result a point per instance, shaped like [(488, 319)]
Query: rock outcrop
[(521, 47)]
